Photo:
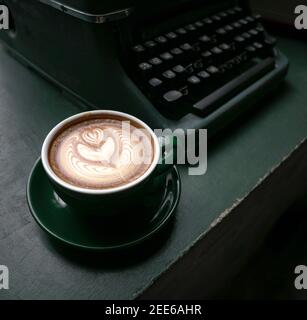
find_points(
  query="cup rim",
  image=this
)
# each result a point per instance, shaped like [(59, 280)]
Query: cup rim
[(66, 185)]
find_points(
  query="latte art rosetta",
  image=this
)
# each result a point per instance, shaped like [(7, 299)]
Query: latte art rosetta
[(101, 153)]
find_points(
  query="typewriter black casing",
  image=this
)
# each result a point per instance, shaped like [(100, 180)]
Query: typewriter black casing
[(81, 46)]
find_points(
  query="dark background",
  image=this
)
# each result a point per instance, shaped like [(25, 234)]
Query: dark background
[(270, 273)]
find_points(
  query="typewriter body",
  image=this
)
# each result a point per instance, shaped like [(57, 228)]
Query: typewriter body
[(174, 64)]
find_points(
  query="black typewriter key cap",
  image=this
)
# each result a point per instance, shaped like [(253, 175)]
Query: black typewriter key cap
[(225, 46), (154, 82), (179, 69), (216, 19), (236, 25), (204, 38), (138, 48), (182, 34), (258, 45), (155, 61), (191, 32), (171, 35), (206, 54), (207, 57), (139, 52), (244, 24), (181, 31), (257, 36), (144, 66), (194, 80), (270, 42), (221, 33), (156, 87), (162, 42), (227, 50), (238, 10), (196, 87), (239, 39), (172, 96), (188, 51), (250, 19), (251, 51), (260, 28), (216, 51), (229, 29), (161, 39), (218, 55), (205, 41), (145, 69), (239, 42), (247, 37), (151, 46), (261, 31), (257, 17), (231, 12), (199, 24), (186, 47), (166, 56), (190, 28), (203, 74), (213, 70), (223, 14), (253, 32), (199, 28), (226, 16), (169, 74), (208, 23), (176, 51)]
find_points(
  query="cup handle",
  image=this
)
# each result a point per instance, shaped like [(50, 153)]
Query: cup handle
[(168, 145)]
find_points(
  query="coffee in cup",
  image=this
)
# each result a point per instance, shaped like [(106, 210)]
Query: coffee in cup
[(101, 152)]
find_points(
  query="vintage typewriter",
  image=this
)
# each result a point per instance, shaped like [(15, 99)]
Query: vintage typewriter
[(175, 64)]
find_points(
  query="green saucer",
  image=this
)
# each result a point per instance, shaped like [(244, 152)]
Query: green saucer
[(98, 233)]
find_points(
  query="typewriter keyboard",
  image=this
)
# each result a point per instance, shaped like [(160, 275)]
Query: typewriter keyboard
[(197, 67)]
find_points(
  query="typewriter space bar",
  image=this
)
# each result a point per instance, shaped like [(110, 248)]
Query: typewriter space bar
[(233, 87)]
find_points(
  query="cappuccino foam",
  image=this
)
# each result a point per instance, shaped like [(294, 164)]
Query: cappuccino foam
[(101, 153)]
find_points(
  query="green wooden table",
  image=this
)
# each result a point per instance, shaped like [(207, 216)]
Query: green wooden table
[(255, 170)]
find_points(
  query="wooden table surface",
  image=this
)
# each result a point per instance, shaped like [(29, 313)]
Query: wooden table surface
[(255, 169)]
